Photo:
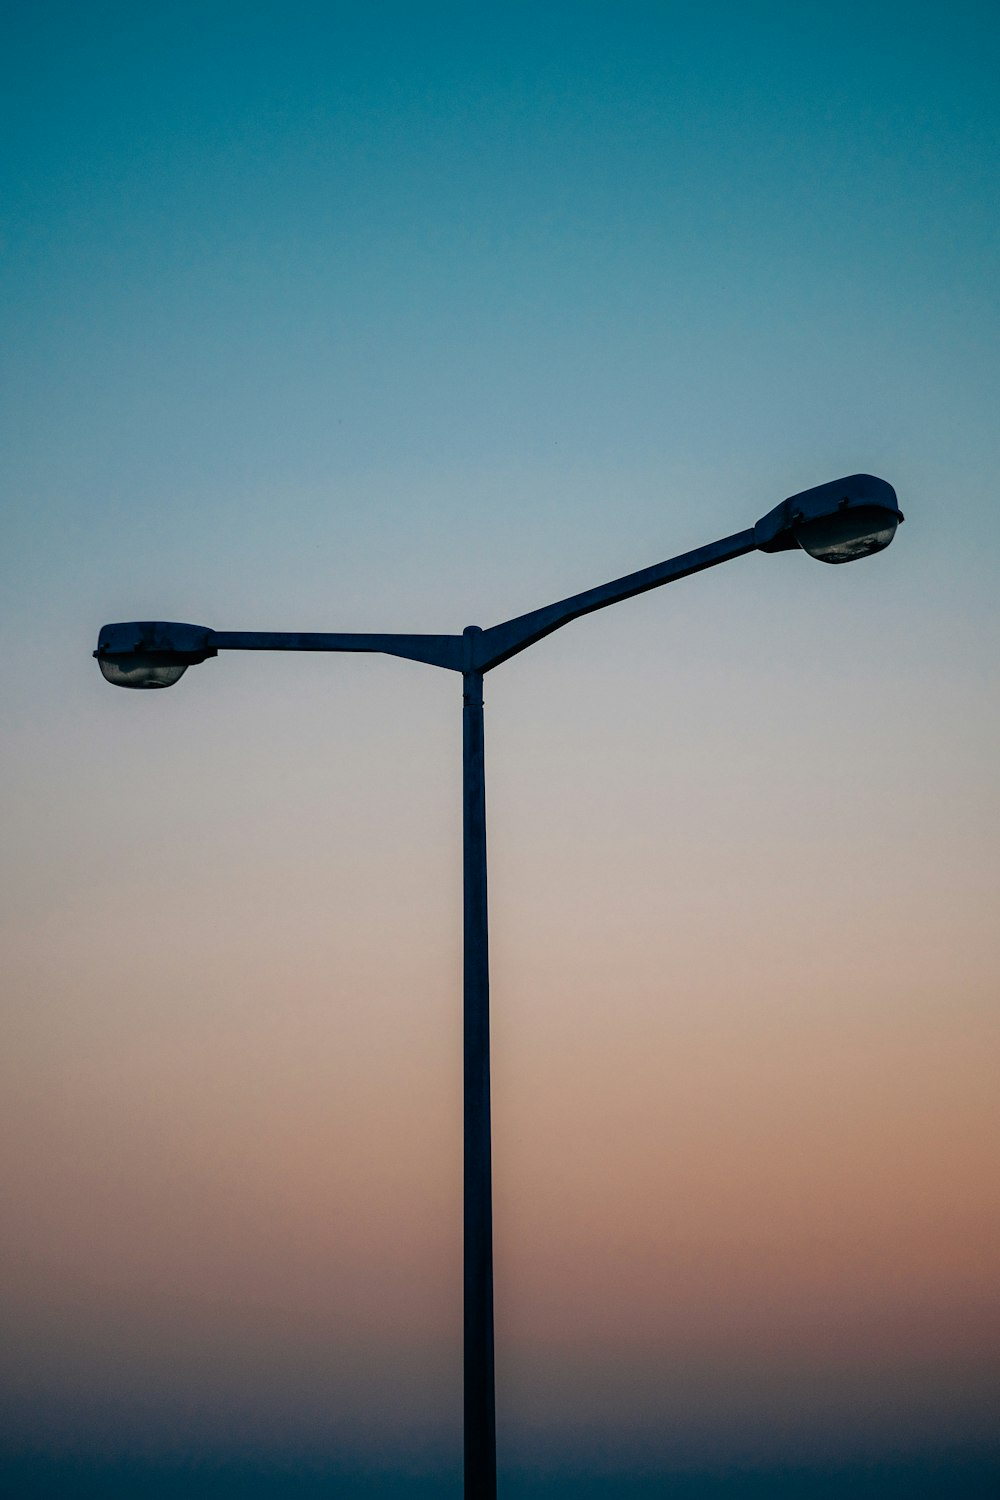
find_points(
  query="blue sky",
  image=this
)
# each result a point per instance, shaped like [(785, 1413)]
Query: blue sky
[(253, 252)]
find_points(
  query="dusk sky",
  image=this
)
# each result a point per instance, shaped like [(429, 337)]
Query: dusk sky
[(401, 317)]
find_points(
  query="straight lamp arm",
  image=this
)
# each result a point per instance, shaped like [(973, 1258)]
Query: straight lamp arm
[(436, 650)]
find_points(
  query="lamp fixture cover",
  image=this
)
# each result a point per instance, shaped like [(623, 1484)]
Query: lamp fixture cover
[(837, 522), (151, 653)]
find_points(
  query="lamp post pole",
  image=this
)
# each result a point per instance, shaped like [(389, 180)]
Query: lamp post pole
[(836, 522), (480, 1400)]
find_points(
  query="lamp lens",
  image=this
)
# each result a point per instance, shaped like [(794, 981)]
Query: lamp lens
[(855, 531), (137, 669)]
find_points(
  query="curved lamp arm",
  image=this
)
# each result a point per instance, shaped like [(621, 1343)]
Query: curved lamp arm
[(501, 642)]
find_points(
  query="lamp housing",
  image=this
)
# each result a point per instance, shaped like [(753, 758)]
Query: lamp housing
[(836, 522), (151, 653)]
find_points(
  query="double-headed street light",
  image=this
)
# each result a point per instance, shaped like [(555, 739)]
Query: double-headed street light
[(837, 522)]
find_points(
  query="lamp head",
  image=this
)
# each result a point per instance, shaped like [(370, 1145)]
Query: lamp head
[(151, 653), (836, 522)]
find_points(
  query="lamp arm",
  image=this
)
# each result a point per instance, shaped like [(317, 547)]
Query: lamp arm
[(501, 642), (436, 650)]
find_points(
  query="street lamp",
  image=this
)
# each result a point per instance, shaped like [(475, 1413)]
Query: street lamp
[(837, 522)]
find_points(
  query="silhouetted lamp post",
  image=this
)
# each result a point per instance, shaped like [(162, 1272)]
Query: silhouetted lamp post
[(836, 523)]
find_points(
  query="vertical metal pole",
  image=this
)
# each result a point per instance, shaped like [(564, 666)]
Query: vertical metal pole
[(480, 1402)]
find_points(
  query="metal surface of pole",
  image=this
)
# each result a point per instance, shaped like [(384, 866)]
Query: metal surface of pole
[(480, 1400)]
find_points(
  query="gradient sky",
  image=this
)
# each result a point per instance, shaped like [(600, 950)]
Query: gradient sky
[(406, 316)]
